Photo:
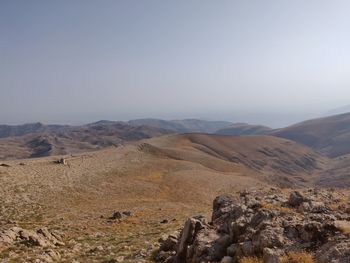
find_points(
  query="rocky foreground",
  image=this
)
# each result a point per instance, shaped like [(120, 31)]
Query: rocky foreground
[(271, 226)]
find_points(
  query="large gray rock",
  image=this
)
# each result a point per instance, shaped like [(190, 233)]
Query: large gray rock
[(188, 235)]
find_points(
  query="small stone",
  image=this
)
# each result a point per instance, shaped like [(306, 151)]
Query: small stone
[(120, 259)]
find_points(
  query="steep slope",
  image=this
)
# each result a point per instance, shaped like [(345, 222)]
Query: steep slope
[(244, 129), (337, 174), (183, 126), (329, 136)]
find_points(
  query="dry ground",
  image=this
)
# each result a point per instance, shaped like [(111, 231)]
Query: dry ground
[(78, 198), (166, 178)]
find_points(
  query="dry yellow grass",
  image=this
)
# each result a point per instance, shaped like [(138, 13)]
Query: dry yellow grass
[(298, 257), (251, 260), (341, 204), (278, 207)]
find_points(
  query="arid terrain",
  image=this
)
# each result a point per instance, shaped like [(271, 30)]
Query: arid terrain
[(113, 204), (174, 131), (78, 198)]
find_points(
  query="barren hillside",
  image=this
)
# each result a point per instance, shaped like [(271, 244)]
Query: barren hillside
[(329, 135), (157, 182)]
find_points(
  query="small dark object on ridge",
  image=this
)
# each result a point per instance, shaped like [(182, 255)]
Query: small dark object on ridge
[(116, 215), (120, 215), (61, 161), (5, 165), (127, 213), (165, 221)]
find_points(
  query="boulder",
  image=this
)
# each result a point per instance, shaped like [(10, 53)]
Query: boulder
[(188, 235), (168, 243), (296, 199)]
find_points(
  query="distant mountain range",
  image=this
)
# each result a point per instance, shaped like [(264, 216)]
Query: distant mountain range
[(183, 126), (37, 140), (329, 136), (244, 129)]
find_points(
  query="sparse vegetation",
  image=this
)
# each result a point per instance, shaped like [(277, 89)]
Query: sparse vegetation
[(278, 207), (298, 257), (79, 199)]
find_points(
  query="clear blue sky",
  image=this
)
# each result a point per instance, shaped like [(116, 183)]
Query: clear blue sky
[(271, 62)]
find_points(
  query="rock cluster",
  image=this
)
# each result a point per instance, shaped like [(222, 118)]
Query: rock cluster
[(267, 225), (42, 237)]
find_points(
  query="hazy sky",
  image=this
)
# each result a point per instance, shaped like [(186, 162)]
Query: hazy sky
[(271, 62)]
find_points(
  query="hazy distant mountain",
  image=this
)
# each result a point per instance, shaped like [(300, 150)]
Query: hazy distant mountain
[(244, 129), (183, 126), (329, 135), (36, 140), (340, 110), (18, 130)]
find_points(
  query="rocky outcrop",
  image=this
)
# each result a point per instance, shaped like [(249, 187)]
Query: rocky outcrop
[(42, 237), (268, 225)]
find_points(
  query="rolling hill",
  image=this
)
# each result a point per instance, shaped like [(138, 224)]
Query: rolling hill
[(272, 159)]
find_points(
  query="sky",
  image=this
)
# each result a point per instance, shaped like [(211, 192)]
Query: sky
[(271, 62)]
